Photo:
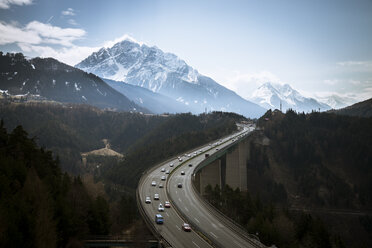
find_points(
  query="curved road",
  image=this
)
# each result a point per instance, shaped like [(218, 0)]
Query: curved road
[(187, 206)]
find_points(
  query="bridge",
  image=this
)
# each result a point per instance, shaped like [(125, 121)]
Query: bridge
[(210, 228)]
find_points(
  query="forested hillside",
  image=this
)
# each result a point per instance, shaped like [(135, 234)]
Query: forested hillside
[(361, 109), (39, 205), (177, 135), (69, 130), (311, 186)]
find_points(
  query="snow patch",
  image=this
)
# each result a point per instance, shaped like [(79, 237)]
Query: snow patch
[(77, 87), (84, 98), (32, 66)]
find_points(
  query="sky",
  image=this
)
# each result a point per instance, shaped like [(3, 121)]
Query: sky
[(319, 47)]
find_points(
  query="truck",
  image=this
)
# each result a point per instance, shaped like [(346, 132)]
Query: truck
[(159, 219)]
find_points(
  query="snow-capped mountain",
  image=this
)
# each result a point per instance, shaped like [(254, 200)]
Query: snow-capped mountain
[(155, 102), (165, 73), (336, 101), (49, 79), (271, 95)]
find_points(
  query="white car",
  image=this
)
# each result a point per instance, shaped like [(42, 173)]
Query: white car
[(167, 204), (161, 185), (162, 169), (186, 227), (171, 165), (148, 200), (163, 178), (153, 183), (161, 208), (167, 172), (156, 197), (182, 172)]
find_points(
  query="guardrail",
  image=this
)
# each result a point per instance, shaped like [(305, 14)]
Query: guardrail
[(149, 222), (236, 227)]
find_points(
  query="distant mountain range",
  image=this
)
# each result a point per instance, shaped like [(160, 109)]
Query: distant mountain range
[(270, 96), (361, 109), (50, 79), (164, 73)]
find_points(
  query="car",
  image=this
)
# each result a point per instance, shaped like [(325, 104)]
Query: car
[(148, 200), (159, 219), (179, 185), (190, 165), (186, 227), (216, 149), (180, 159), (156, 196), (167, 172), (171, 165), (188, 155), (182, 172), (161, 185), (161, 208), (162, 169), (153, 183), (163, 178), (167, 204)]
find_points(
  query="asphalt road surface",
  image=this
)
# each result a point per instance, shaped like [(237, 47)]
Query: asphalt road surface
[(208, 226)]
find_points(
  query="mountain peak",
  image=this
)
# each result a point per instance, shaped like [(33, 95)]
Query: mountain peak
[(167, 74), (272, 95)]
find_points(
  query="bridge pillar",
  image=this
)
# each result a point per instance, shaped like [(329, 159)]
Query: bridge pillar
[(210, 174), (236, 166)]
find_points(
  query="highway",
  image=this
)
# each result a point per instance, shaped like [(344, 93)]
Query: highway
[(210, 228)]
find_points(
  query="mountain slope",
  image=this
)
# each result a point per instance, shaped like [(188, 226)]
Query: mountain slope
[(155, 102), (271, 95), (165, 73), (52, 80), (361, 109)]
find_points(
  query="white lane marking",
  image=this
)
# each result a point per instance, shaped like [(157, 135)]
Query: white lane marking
[(195, 244), (197, 220), (167, 214), (186, 209), (214, 235), (176, 192), (214, 225), (179, 229), (180, 199)]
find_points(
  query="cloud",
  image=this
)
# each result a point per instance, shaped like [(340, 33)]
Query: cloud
[(69, 55), (5, 4), (37, 33), (72, 22), (68, 12), (10, 33), (357, 65)]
